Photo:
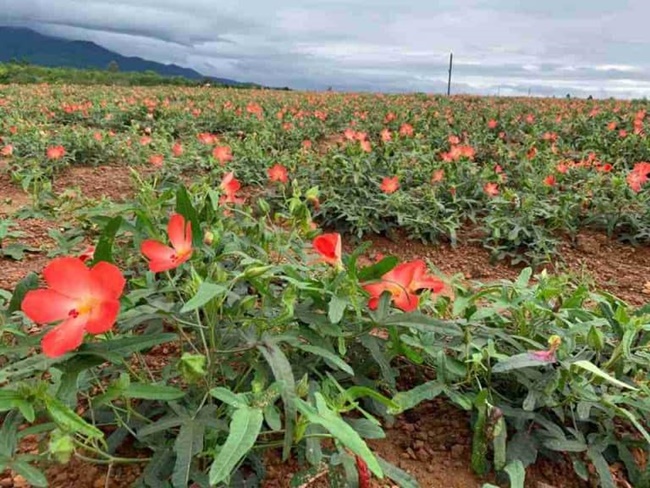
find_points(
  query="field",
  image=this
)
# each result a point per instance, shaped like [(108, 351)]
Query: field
[(218, 287)]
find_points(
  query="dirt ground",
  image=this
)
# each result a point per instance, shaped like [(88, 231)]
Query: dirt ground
[(433, 441)]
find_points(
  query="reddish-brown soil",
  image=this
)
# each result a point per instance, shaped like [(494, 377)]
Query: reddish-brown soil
[(432, 442)]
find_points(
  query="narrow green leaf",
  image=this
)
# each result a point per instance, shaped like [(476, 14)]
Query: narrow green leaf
[(29, 282), (32, 475), (104, 249), (517, 474), (188, 444), (336, 309), (377, 270), (324, 353), (602, 468), (592, 368), (244, 428), (207, 291), (146, 391), (519, 361), (283, 373), (69, 420), (186, 209), (402, 478), (336, 426), (411, 398), (228, 397)]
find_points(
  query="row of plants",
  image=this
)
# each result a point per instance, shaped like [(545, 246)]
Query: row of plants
[(524, 172), (273, 338)]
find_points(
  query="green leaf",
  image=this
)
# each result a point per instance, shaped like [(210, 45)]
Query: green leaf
[(519, 361), (244, 428), (517, 474), (411, 398), (565, 445), (524, 278), (9, 434), (377, 270), (29, 282), (500, 435), (187, 445), (32, 475), (69, 420), (423, 323), (186, 209), (324, 353), (336, 309), (592, 368), (367, 429), (402, 478), (283, 373), (602, 468), (127, 345), (342, 431), (146, 391), (104, 249), (207, 291), (229, 397)]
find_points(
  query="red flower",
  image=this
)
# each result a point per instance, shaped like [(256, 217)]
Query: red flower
[(230, 186), (177, 149), (406, 130), (329, 248), (145, 140), (550, 180), (365, 145), (156, 159), (222, 154), (638, 176), (278, 173), (403, 282), (438, 176), (55, 152), (83, 299), (562, 168), (206, 138), (491, 189), (7, 151), (492, 124), (453, 140), (164, 258), (390, 185), (385, 135), (363, 473)]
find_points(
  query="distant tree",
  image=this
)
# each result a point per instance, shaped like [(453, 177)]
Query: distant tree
[(113, 67)]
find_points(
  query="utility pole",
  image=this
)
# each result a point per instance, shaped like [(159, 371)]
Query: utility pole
[(451, 61)]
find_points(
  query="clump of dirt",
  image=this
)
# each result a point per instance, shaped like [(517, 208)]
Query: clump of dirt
[(12, 197)]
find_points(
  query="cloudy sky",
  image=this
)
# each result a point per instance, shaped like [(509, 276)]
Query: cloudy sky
[(597, 47)]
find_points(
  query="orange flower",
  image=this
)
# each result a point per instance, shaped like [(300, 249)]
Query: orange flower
[(453, 140), (7, 151), (230, 186), (492, 124), (222, 154), (491, 189), (145, 140), (329, 248), (365, 145), (438, 176), (82, 299), (278, 173), (164, 258), (403, 282), (206, 138), (389, 185), (55, 152), (406, 130), (638, 176), (156, 159), (385, 135), (177, 149)]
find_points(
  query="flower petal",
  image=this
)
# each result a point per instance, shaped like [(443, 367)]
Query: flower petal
[(45, 306), (157, 251), (176, 231), (405, 301), (69, 276), (103, 317), (109, 278), (65, 337)]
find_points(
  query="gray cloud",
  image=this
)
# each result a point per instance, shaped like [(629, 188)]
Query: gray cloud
[(556, 47)]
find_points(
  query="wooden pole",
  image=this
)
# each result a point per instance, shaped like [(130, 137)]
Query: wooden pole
[(451, 61)]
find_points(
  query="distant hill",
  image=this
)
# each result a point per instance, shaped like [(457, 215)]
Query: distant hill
[(22, 44)]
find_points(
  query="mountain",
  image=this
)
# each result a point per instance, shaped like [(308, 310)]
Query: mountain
[(18, 43)]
